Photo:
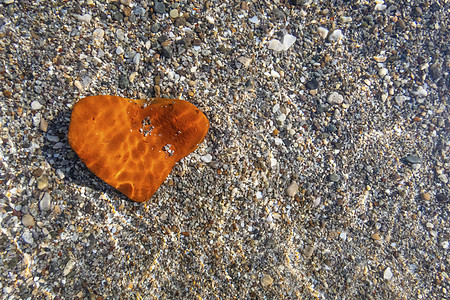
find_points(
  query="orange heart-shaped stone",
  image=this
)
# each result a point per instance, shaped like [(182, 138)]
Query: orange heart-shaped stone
[(133, 144)]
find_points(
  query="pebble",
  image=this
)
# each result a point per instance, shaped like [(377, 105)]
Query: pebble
[(69, 266), (206, 158), (413, 159), (123, 81), (120, 34), (323, 32), (28, 220), (266, 280), (400, 99), (160, 8), (8, 1), (383, 72), (309, 250), (174, 13), (125, 2), (313, 84), (43, 125), (335, 98), (292, 189), (36, 105), (387, 273), (334, 177), (28, 237), (421, 92), (443, 178), (335, 36), (133, 76), (86, 18), (167, 51), (52, 138), (42, 182), (425, 196), (45, 203), (245, 61), (98, 33), (119, 50)]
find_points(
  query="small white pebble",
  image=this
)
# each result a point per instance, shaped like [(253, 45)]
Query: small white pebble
[(335, 98), (206, 158), (323, 32), (336, 36), (254, 20), (36, 105), (387, 273), (86, 18), (383, 72), (275, 74), (119, 50), (273, 162), (380, 7), (421, 92)]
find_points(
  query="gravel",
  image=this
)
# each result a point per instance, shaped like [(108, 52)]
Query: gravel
[(348, 101)]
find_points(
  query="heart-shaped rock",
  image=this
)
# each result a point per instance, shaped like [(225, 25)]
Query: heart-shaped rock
[(133, 144)]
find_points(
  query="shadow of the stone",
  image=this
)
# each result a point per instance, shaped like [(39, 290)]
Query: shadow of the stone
[(66, 162)]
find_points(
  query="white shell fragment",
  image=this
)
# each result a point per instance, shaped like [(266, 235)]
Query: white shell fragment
[(86, 18), (288, 41), (336, 36)]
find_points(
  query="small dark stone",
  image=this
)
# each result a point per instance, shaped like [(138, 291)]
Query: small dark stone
[(179, 22), (167, 52), (154, 28), (435, 7), (401, 24), (192, 20), (417, 11), (160, 8), (331, 128), (278, 15), (118, 16), (441, 197), (334, 177), (312, 84), (434, 71), (162, 39), (123, 81)]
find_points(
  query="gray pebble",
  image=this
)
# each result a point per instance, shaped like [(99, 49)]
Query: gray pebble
[(160, 7), (120, 34), (123, 81), (119, 50), (45, 204), (139, 11), (154, 28), (413, 159), (28, 220), (334, 177), (28, 237)]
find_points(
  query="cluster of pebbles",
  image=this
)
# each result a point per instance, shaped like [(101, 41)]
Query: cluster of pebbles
[(325, 173)]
